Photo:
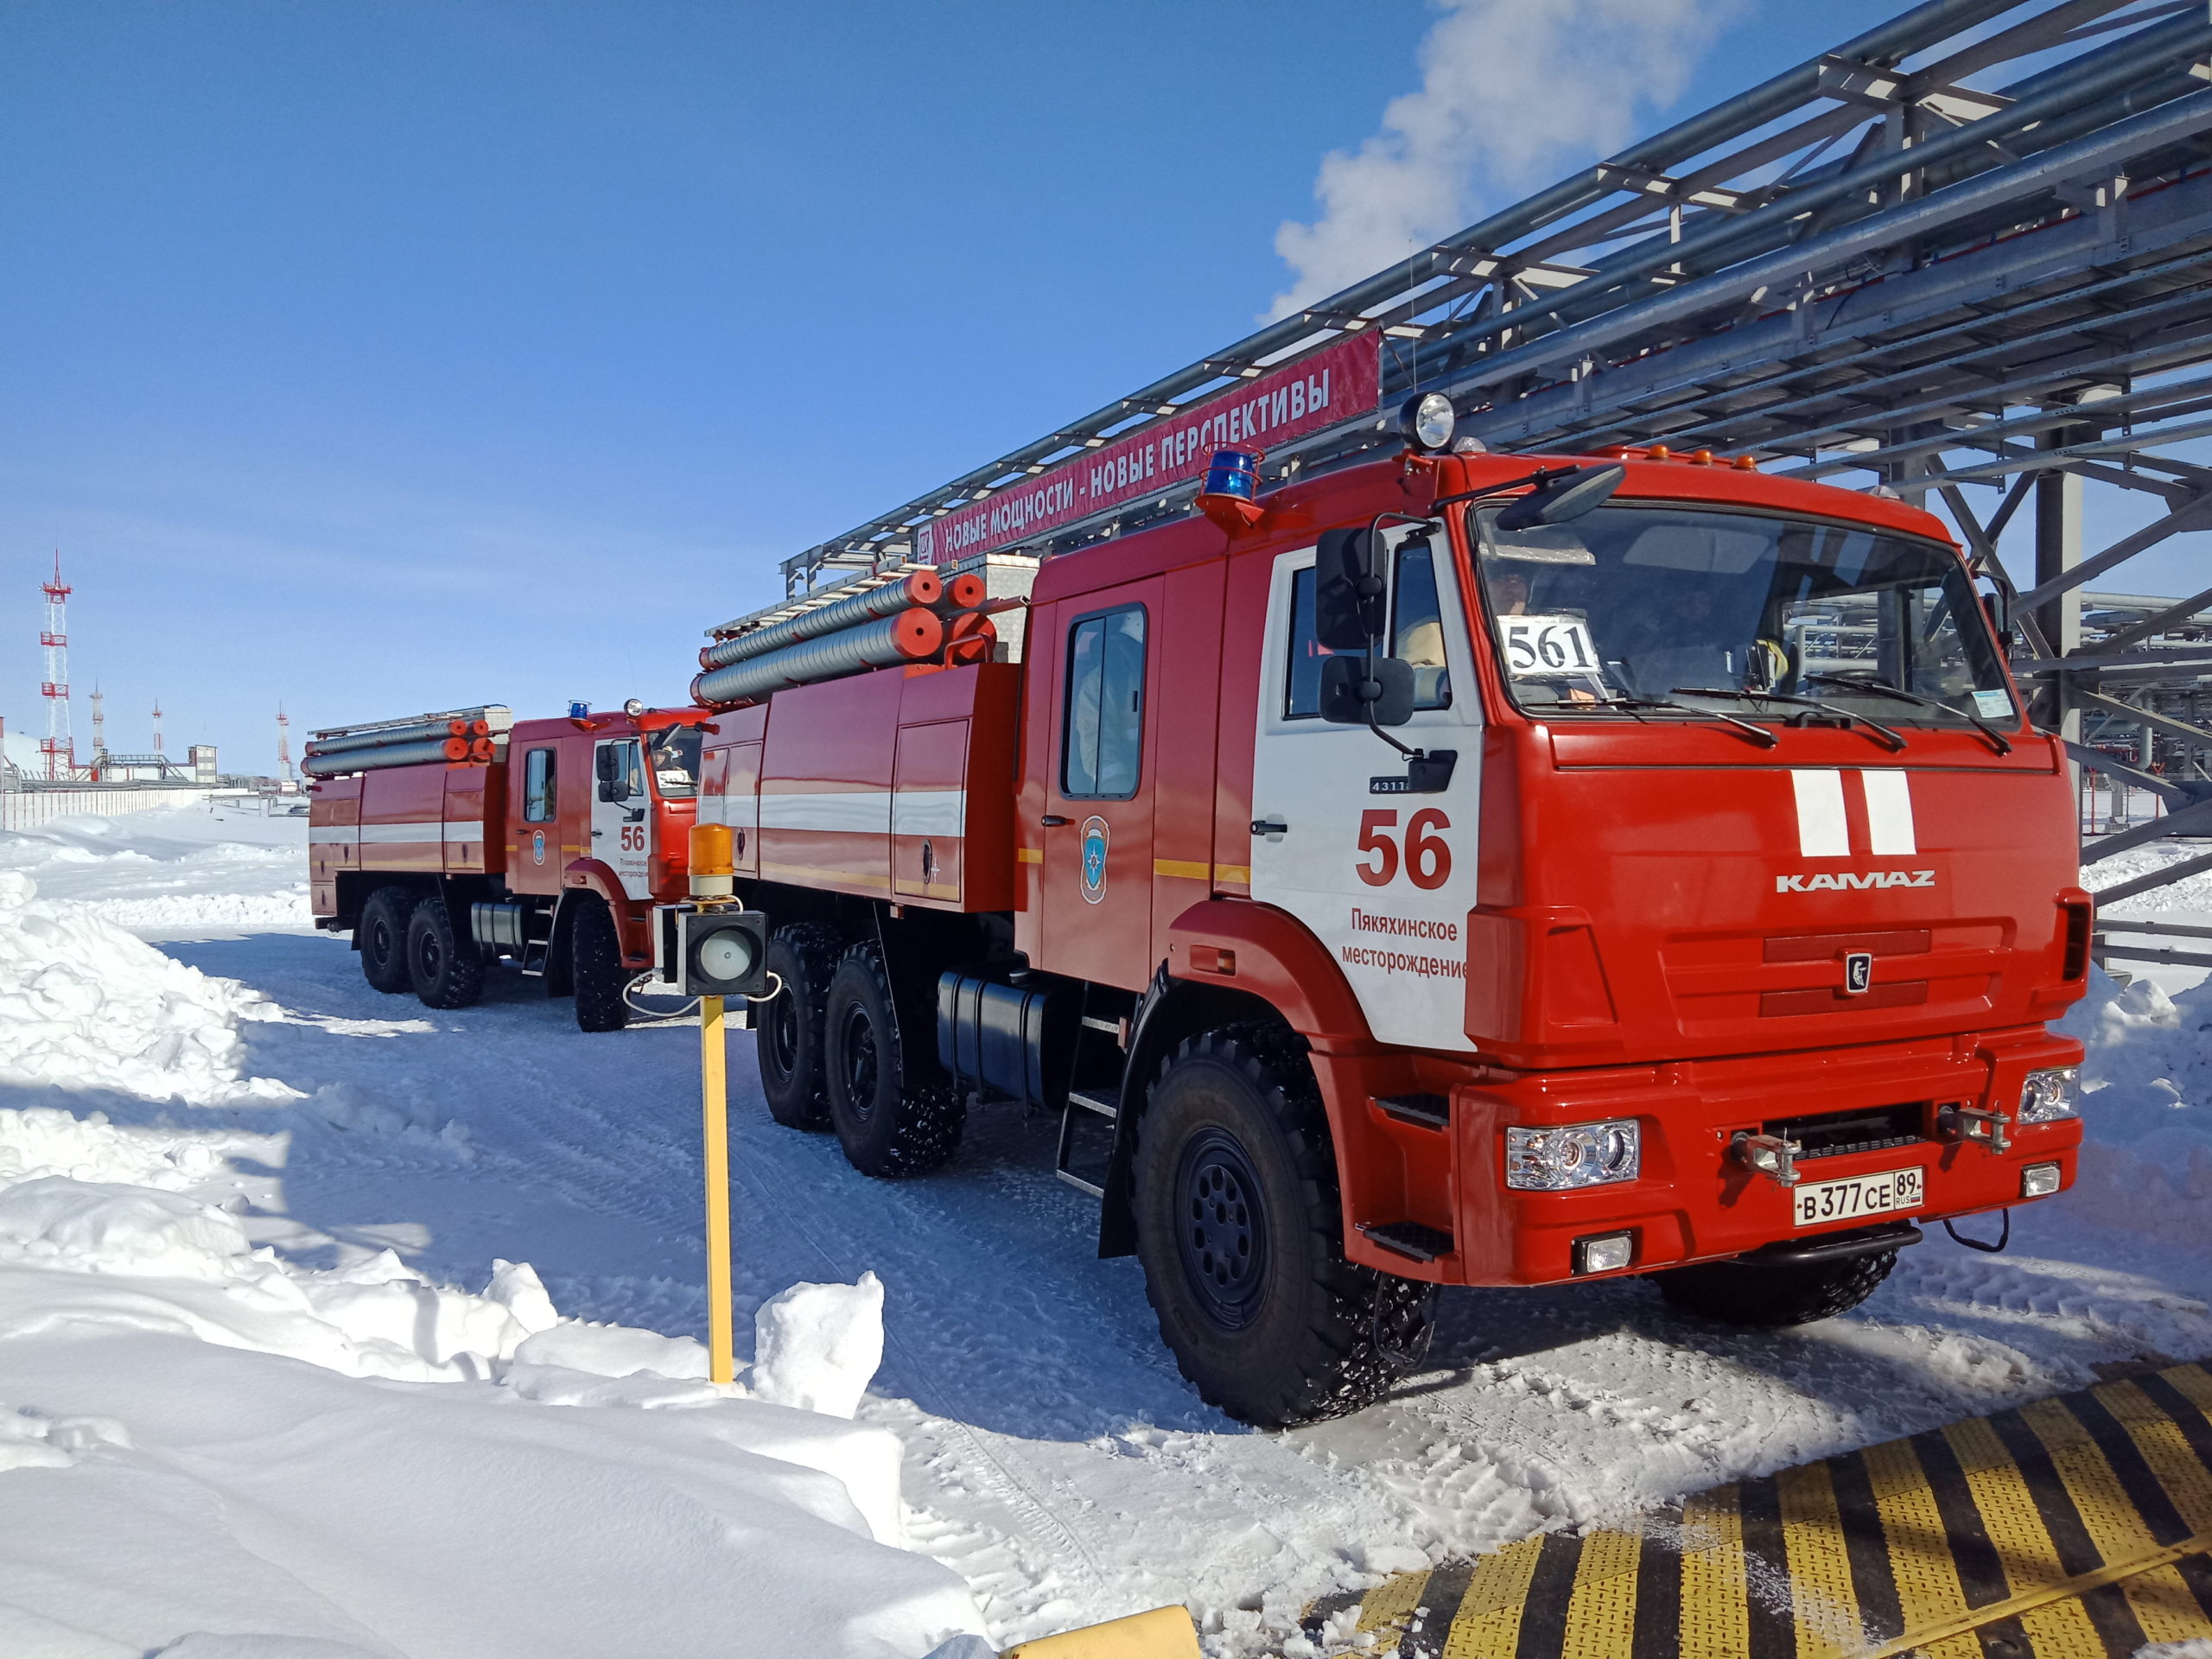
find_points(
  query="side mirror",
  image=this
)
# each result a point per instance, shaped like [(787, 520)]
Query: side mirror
[(1582, 491), (1366, 691), (1998, 607), (1349, 593), (614, 782)]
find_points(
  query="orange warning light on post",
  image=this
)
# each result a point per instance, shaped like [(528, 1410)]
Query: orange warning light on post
[(714, 862)]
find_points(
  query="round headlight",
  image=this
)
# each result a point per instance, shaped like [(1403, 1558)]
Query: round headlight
[(727, 956), (1427, 420)]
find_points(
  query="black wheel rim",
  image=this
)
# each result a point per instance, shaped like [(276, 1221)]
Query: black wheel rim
[(380, 943), (857, 1049), (432, 958), (1221, 1229), (782, 1038)]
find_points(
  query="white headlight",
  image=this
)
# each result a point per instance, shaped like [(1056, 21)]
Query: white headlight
[(1427, 420), (2050, 1094), (1579, 1154)]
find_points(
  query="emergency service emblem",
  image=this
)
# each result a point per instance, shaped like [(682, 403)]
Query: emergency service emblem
[(537, 848), (1094, 859)]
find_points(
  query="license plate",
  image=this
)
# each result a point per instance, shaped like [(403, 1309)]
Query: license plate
[(1892, 1191)]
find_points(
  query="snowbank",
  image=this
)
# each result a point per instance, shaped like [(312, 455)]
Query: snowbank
[(198, 1436), (2146, 1109), (210, 1450), (173, 871), (84, 1004)]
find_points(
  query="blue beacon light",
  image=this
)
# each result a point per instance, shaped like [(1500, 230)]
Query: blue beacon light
[(1234, 473)]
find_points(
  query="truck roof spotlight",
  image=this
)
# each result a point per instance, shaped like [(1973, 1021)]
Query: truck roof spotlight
[(1427, 420)]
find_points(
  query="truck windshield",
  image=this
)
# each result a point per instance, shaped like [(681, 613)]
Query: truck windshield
[(1631, 605), (675, 762)]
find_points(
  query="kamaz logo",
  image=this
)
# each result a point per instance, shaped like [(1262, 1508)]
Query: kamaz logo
[(1853, 881)]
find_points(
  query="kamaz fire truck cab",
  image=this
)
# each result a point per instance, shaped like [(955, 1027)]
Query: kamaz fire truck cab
[(1478, 869)]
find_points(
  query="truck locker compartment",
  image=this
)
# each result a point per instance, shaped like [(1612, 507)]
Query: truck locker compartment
[(895, 785)]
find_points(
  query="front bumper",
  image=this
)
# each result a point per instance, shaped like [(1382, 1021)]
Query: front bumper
[(1691, 1200)]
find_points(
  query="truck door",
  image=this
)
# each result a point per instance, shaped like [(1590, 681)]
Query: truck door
[(1097, 831), (621, 821), (1383, 879)]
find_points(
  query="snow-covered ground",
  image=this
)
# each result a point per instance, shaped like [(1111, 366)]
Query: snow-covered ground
[(235, 1415)]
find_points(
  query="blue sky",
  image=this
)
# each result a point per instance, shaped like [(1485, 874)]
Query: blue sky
[(379, 357)]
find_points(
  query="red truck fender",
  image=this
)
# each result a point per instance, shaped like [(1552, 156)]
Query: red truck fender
[(594, 876), (1231, 960), (1269, 954)]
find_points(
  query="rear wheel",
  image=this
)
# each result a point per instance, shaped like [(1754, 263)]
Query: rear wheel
[(382, 936), (1238, 1229), (894, 1115), (788, 1044), (595, 961), (1769, 1296), (446, 973)]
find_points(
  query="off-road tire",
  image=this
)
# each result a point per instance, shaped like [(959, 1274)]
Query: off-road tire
[(787, 1044), (1240, 1232), (894, 1116), (595, 964), (445, 972), (1768, 1298), (382, 935)]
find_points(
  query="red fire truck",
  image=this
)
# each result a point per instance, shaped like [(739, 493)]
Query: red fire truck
[(447, 842), (1451, 869)]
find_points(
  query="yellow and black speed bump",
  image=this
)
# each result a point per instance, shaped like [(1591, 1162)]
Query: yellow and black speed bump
[(2079, 1525)]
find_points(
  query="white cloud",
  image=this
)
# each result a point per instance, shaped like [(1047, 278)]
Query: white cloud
[(1513, 93)]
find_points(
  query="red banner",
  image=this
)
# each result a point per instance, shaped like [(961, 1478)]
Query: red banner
[(1335, 384)]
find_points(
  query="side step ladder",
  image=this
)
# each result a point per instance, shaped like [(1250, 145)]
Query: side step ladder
[(536, 953), (1094, 1106)]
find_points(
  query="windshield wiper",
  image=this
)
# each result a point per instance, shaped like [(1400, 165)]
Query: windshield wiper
[(1891, 740), (1758, 734), (1997, 741)]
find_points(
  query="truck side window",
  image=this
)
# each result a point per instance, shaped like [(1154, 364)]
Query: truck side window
[(1417, 629), (537, 787), (1103, 737), (1302, 698), (1416, 635)]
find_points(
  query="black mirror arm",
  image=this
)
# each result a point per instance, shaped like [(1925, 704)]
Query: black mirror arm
[(1541, 477), (1411, 754)]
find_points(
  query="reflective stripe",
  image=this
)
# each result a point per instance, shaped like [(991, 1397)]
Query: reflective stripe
[(1822, 830), (457, 829), (928, 812), (1889, 812), (862, 812)]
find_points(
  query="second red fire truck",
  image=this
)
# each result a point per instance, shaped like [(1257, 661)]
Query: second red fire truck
[(1451, 869)]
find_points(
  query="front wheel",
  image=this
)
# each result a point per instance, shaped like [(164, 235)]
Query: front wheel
[(596, 960), (1770, 1296), (1239, 1232), (892, 1115)]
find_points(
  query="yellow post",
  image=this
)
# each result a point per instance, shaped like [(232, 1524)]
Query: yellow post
[(721, 1361)]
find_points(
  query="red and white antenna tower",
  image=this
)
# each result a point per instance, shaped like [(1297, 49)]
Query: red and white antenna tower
[(283, 743), (157, 725), (99, 731), (57, 746)]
